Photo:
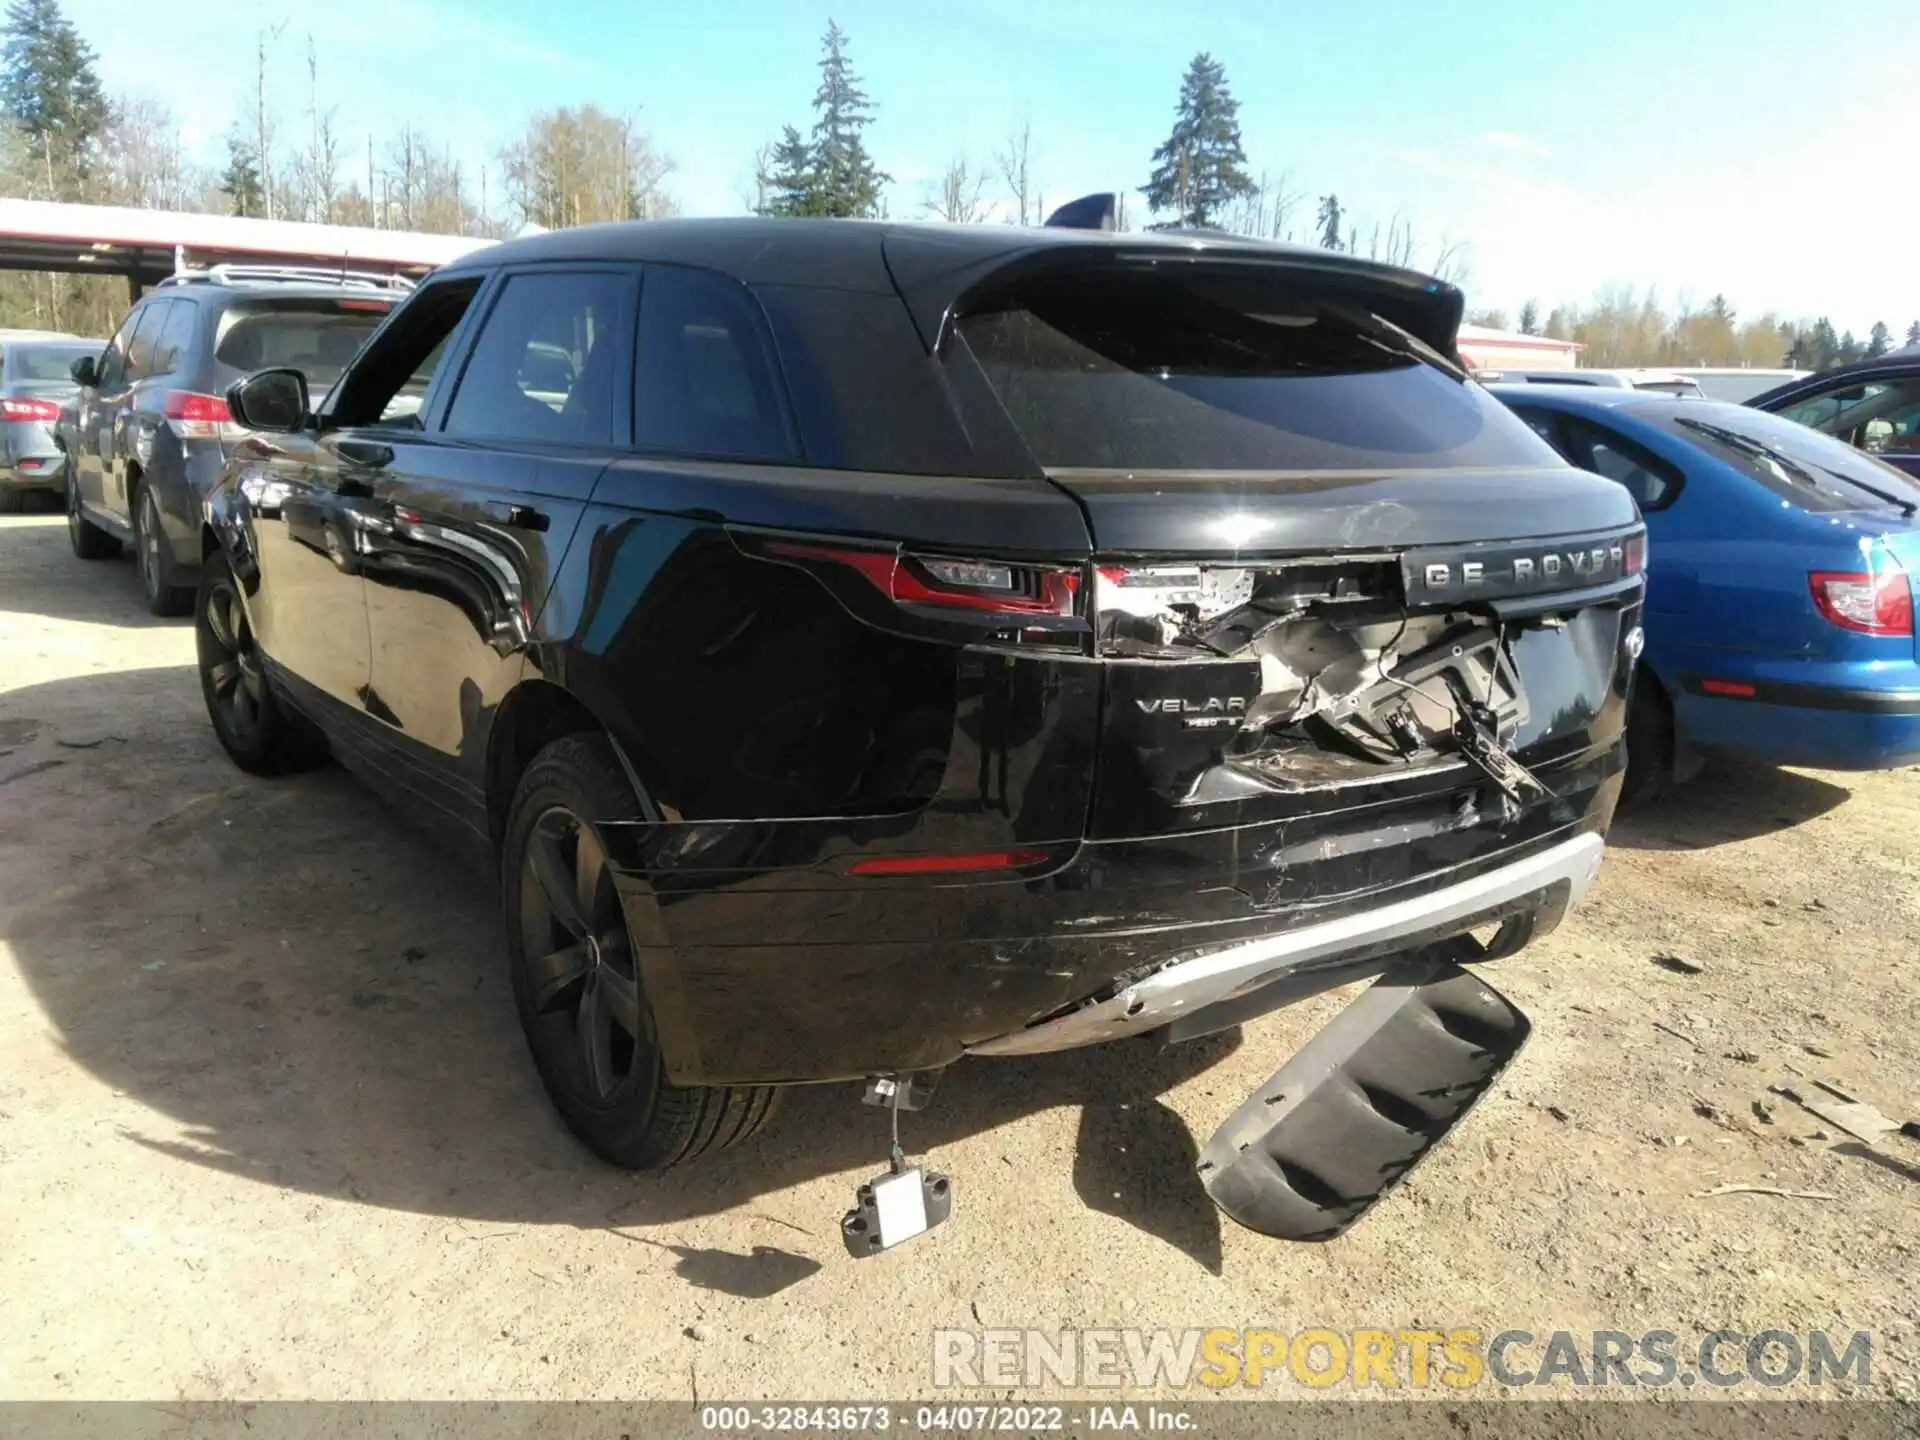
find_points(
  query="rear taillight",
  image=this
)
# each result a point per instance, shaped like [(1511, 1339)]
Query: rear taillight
[(1869, 604), (196, 417), (29, 410), (1635, 560), (996, 586)]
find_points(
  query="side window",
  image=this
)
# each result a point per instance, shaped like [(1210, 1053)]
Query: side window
[(176, 337), (113, 361), (1541, 422), (1651, 481), (145, 335), (389, 382), (1902, 421), (704, 380), (1881, 416), (1816, 413), (544, 364)]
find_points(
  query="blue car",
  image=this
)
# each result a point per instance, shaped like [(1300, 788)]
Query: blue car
[(1781, 568)]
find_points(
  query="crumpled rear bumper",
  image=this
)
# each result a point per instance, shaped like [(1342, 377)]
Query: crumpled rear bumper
[(800, 973), (1545, 886)]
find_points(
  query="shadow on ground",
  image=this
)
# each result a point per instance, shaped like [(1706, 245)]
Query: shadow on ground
[(313, 997), (1724, 804), (38, 569)]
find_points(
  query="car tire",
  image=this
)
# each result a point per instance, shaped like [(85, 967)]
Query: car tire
[(258, 733), (576, 976), (1650, 739), (89, 541), (150, 560)]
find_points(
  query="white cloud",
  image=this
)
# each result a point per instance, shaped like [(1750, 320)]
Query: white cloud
[(1514, 143)]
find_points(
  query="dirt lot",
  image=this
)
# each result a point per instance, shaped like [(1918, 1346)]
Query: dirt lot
[(267, 1127)]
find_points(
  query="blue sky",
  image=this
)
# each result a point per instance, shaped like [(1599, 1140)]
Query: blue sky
[(1759, 147)]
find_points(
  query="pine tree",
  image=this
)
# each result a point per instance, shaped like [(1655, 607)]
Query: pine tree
[(1879, 341), (789, 183), (1823, 344), (1529, 319), (49, 88), (1913, 333), (1328, 219), (847, 182), (1849, 350), (240, 181), (1200, 170)]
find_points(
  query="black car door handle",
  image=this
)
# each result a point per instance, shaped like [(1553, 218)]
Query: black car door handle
[(520, 517), (351, 489)]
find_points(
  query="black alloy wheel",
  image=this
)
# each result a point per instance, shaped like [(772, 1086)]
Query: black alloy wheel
[(579, 964), (577, 978), (257, 734), (236, 681)]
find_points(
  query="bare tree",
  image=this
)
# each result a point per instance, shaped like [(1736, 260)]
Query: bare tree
[(574, 166), (401, 184), (757, 187), (1452, 262), (145, 165), (318, 171), (1264, 211), (956, 196), (1014, 161), (263, 125)]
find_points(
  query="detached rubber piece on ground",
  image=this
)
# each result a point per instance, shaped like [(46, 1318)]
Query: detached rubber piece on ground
[(1363, 1101)]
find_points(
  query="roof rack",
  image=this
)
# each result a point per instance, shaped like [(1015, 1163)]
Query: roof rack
[(288, 275)]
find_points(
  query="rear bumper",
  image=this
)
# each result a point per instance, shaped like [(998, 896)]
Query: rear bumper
[(1546, 885), (1829, 726), (797, 974), (34, 472)]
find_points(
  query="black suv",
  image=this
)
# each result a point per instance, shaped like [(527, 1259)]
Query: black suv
[(857, 646), (149, 431)]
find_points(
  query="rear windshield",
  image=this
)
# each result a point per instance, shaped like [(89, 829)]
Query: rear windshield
[(45, 362), (1125, 370), (316, 337), (1806, 469)]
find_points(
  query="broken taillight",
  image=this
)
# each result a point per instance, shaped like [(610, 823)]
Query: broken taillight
[(1154, 589), (995, 586)]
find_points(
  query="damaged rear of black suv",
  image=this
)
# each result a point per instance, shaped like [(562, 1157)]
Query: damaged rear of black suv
[(861, 646)]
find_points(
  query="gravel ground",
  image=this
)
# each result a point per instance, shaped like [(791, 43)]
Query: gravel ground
[(268, 1129)]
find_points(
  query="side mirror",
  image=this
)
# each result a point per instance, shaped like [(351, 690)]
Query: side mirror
[(84, 374), (273, 401)]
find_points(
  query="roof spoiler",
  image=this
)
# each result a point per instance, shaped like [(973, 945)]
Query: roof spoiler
[(1089, 212)]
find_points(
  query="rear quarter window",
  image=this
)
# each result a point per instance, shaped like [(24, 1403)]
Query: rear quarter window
[(1144, 372)]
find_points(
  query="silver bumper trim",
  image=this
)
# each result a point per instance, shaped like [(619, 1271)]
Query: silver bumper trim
[(1202, 980)]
